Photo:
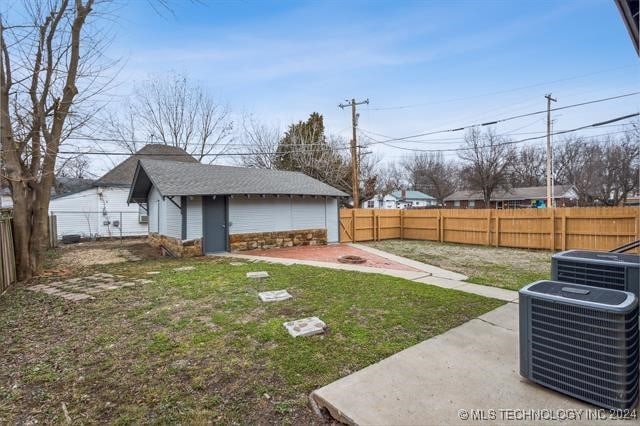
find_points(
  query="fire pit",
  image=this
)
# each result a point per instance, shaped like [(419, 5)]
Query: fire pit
[(350, 258)]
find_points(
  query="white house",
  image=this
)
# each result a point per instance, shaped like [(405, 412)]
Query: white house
[(101, 209), (196, 208), (400, 200)]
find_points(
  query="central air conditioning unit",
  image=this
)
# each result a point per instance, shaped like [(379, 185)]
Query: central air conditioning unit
[(598, 269), (581, 341)]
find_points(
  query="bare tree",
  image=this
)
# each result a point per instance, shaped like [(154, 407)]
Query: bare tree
[(263, 142), (617, 171), (432, 174), (486, 161), (529, 167), (47, 66), (173, 110), (78, 166)]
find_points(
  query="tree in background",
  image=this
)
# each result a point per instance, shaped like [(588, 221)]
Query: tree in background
[(432, 174), (263, 141), (602, 171), (485, 162), (528, 167), (77, 167), (49, 65), (305, 148), (175, 111)]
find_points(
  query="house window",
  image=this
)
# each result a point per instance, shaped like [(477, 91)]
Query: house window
[(472, 204), (143, 214), (456, 203), (370, 204)]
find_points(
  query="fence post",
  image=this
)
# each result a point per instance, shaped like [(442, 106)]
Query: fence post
[(564, 231), (376, 225), (353, 224), (438, 224), (402, 224), (488, 227), (552, 216), (497, 231)]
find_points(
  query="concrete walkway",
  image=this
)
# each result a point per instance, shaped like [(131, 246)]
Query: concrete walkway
[(426, 274), (468, 375)]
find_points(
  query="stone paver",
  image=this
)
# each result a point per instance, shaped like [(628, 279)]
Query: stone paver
[(258, 274), (274, 296), (305, 327), (184, 268), (237, 263), (83, 288), (153, 272)]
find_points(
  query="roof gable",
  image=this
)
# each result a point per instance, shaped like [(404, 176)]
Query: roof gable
[(122, 174)]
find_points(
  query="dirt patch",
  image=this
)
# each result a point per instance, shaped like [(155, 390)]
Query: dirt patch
[(85, 254)]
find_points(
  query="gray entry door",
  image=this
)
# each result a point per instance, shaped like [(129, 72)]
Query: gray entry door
[(215, 224)]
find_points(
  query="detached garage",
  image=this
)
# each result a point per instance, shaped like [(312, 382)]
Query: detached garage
[(195, 208)]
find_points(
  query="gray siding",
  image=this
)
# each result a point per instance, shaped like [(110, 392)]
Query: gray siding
[(333, 220), (154, 203), (283, 214), (194, 218), (173, 215)]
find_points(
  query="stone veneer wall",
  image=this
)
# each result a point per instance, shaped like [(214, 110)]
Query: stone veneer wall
[(266, 240), (190, 248)]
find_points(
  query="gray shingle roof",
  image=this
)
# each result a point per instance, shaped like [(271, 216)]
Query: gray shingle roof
[(175, 179), (122, 174), (526, 193)]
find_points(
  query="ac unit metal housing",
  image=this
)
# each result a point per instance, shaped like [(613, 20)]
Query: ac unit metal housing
[(581, 341), (616, 271)]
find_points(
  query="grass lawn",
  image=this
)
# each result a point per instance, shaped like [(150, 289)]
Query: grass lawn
[(498, 267), (198, 346)]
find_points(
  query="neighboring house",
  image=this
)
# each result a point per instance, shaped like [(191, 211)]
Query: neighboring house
[(61, 186), (197, 208), (528, 197), (101, 209), (400, 200)]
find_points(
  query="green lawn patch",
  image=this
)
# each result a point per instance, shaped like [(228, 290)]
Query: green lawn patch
[(501, 267), (198, 346)]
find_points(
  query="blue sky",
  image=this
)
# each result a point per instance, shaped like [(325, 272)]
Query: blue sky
[(454, 62)]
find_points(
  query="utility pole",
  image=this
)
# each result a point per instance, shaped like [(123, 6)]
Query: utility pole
[(549, 150), (355, 171)]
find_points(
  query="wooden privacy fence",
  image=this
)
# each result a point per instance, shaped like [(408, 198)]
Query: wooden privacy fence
[(7, 255), (594, 228)]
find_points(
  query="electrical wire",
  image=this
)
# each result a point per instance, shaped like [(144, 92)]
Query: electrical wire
[(613, 120), (514, 117)]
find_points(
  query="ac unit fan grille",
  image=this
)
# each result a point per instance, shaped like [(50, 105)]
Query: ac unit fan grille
[(601, 275), (585, 352)]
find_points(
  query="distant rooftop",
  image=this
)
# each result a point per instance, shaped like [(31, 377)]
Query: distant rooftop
[(524, 193), (412, 195), (122, 174)]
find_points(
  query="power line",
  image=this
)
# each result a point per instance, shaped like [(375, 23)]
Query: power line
[(613, 120), (488, 123)]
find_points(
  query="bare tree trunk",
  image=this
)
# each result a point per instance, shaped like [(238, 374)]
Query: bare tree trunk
[(29, 162)]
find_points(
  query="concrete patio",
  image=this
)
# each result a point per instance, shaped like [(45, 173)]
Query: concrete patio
[(468, 375)]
